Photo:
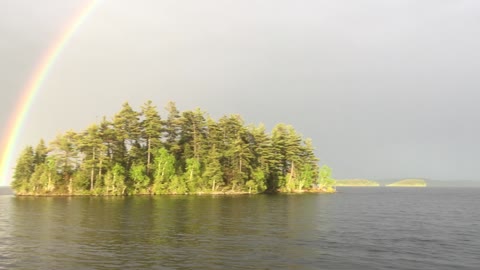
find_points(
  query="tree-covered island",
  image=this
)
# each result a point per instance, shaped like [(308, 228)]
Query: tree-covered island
[(356, 183), (410, 182), (184, 153)]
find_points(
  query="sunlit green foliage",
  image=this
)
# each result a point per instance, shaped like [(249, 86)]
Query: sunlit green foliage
[(24, 170), (325, 177), (140, 180), (114, 181), (164, 171), (188, 152), (213, 174)]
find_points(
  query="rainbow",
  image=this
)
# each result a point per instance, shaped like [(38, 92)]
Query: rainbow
[(31, 89)]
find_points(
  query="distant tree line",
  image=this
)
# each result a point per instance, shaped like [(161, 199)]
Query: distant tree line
[(138, 152)]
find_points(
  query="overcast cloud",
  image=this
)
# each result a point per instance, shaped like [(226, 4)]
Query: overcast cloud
[(386, 89)]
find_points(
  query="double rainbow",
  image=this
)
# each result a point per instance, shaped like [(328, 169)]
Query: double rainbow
[(31, 89)]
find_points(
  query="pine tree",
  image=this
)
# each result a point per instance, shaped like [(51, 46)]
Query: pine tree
[(152, 130), (242, 156), (91, 145), (213, 173), (193, 133), (233, 149), (309, 166), (51, 174), (264, 157), (171, 129), (106, 135), (65, 151), (287, 147), (127, 128), (24, 170), (41, 152), (37, 179)]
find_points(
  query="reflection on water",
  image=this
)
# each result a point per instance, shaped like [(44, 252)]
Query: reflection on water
[(354, 229)]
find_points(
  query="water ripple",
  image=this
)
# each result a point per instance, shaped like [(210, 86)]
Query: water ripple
[(354, 229)]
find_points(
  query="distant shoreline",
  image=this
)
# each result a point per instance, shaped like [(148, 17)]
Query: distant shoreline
[(357, 183), (222, 193), (411, 182)]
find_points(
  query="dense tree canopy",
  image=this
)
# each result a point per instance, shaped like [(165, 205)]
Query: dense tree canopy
[(187, 152)]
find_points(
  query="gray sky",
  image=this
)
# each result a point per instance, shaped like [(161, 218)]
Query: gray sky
[(386, 89)]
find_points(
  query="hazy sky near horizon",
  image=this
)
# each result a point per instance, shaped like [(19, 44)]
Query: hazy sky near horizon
[(386, 89)]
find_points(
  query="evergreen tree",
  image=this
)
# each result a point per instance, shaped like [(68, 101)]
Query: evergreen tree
[(91, 145), (37, 180), (258, 182), (152, 128), (242, 156), (65, 151), (264, 157), (137, 153), (96, 144), (41, 152), (171, 129), (306, 177), (193, 133), (24, 170), (287, 147), (233, 149), (50, 173), (213, 173), (127, 128)]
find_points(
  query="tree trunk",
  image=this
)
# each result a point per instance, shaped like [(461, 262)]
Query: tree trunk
[(113, 184), (290, 178), (240, 165), (163, 170), (292, 170), (49, 185), (70, 186), (149, 155), (195, 150), (100, 169), (92, 172)]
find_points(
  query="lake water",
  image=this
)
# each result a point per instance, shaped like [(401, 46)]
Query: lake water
[(357, 228)]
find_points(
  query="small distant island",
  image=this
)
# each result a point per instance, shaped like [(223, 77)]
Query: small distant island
[(139, 152), (356, 183), (413, 182)]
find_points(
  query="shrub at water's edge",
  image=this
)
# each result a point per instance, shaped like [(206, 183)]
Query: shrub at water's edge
[(409, 183), (139, 152), (356, 183)]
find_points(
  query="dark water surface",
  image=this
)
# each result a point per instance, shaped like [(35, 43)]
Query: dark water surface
[(357, 228)]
